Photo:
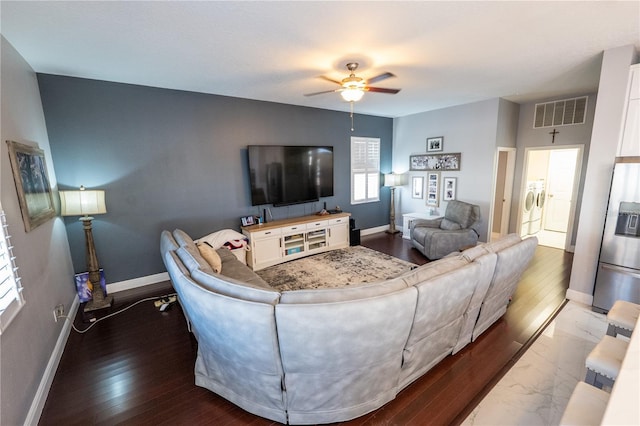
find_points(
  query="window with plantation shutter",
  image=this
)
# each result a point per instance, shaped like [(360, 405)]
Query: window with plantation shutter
[(10, 290), (365, 170)]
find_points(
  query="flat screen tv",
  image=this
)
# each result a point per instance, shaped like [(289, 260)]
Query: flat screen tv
[(283, 175)]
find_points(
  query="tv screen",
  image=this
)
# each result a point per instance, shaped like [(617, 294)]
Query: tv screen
[(282, 175)]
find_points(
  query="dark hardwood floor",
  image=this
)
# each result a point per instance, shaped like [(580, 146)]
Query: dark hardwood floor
[(137, 367)]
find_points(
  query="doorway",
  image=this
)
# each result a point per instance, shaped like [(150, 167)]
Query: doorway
[(503, 188), (551, 179)]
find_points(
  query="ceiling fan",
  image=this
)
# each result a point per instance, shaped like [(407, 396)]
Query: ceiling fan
[(353, 87)]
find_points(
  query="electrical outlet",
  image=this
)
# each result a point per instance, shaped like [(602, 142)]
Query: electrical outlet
[(58, 312)]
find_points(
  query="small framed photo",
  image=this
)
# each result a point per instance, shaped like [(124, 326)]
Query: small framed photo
[(417, 187), (247, 220), (433, 189), (435, 144), (449, 190)]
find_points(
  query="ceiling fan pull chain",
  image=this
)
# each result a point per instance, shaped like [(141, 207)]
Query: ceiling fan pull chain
[(351, 115)]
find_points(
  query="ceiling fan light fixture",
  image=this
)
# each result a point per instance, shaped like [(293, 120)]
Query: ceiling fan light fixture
[(352, 94)]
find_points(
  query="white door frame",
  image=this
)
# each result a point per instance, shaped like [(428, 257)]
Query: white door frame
[(574, 193), (508, 189)]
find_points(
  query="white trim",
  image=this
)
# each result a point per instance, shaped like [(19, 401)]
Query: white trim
[(578, 296), (35, 411), (137, 282), (374, 230)]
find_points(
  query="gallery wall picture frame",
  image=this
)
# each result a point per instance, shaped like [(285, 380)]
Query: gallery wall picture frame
[(449, 188), (417, 187), (435, 162), (32, 184), (247, 220), (433, 189), (435, 144)]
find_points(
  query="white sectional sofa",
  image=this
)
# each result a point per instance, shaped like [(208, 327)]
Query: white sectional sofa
[(329, 355)]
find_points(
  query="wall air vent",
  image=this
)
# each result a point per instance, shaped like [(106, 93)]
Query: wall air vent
[(560, 113)]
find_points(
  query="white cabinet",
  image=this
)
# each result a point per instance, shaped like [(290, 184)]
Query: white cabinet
[(630, 141), (338, 232), (279, 241), (266, 247), (408, 218)]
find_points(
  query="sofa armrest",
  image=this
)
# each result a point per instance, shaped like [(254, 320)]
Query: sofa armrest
[(428, 223)]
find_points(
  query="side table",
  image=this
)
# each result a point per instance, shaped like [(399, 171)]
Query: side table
[(408, 218)]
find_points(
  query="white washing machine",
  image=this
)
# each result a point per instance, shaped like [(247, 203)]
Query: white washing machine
[(528, 202), (536, 212)]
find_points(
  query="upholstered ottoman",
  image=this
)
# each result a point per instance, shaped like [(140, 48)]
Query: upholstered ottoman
[(622, 318), (586, 406), (604, 361)]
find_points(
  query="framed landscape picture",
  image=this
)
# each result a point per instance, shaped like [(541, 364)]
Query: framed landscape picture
[(32, 184), (428, 162)]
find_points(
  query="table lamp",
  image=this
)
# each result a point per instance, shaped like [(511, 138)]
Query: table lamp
[(84, 203)]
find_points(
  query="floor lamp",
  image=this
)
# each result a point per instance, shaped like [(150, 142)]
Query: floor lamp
[(84, 203), (392, 180)]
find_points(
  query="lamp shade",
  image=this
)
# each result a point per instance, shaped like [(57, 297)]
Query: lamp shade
[(392, 179), (352, 94), (84, 202)]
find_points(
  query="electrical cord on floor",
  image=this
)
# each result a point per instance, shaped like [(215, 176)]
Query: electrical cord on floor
[(147, 299)]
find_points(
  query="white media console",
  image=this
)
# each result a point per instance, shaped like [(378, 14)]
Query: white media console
[(283, 240)]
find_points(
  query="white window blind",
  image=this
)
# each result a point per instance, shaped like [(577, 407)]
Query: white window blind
[(11, 299), (365, 170)]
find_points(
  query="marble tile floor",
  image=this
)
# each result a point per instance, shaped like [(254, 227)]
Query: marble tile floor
[(536, 390)]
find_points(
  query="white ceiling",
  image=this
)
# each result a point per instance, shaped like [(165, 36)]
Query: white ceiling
[(442, 53)]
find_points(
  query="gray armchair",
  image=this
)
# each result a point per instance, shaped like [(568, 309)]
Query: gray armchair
[(436, 238)]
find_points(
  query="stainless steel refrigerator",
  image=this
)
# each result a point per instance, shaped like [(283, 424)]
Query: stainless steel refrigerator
[(618, 274)]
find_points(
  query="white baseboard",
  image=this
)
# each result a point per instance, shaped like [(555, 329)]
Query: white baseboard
[(35, 411), (137, 282), (375, 230), (578, 296)]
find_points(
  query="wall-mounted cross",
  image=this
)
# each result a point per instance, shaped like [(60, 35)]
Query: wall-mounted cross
[(553, 134)]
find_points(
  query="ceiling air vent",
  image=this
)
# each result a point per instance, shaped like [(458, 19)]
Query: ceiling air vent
[(560, 113)]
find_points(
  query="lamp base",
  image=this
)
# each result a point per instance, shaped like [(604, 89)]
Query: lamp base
[(392, 231), (94, 305)]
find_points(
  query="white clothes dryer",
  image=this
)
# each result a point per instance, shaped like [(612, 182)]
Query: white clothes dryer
[(536, 212), (528, 203)]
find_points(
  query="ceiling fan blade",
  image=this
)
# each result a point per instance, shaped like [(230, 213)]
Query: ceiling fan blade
[(320, 93), (382, 90), (331, 80), (380, 77)]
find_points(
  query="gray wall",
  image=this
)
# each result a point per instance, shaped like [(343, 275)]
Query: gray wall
[(528, 137), (171, 159), (42, 254), (470, 129)]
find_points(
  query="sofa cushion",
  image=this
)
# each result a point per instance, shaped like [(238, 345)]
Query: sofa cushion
[(182, 238), (328, 295), (432, 269), (225, 255), (211, 256), (167, 242), (236, 288), (502, 243), (190, 256), (448, 225), (233, 268), (473, 253), (461, 213)]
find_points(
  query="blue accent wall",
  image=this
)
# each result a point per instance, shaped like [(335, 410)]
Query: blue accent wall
[(171, 159)]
